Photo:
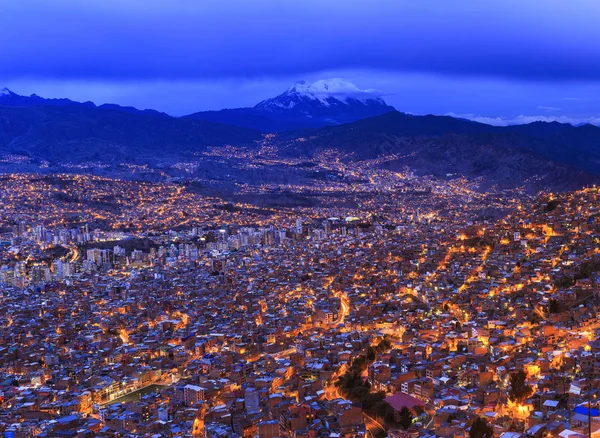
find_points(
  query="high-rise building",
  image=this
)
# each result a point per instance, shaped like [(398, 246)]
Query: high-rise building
[(192, 394), (251, 400), (58, 268), (22, 227)]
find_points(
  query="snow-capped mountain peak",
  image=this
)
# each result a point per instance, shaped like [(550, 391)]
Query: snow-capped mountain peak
[(336, 88), (5, 92), (324, 102), (325, 92)]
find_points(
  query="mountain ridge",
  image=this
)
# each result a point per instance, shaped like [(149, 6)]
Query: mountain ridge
[(62, 132), (442, 144), (72, 134), (9, 98)]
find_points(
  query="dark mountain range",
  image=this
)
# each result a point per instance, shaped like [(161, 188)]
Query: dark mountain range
[(537, 155), (304, 105), (576, 145), (8, 98), (74, 134), (130, 109), (534, 156)]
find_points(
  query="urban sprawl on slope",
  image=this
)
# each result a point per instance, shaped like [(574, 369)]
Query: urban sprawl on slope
[(139, 309)]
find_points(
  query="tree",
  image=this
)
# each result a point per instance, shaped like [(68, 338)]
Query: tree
[(349, 380), (370, 353), (384, 345), (358, 392), (481, 429), (534, 318), (371, 399), (554, 306), (519, 389), (359, 364), (564, 281), (552, 204), (406, 418), (380, 433), (383, 411)]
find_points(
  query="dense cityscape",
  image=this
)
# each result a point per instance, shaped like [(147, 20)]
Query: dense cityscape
[(299, 219), (144, 309)]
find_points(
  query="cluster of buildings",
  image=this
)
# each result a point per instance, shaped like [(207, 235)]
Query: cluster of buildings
[(242, 329)]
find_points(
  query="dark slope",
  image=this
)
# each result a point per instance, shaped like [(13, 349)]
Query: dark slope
[(76, 134), (8, 98), (445, 145), (245, 117), (578, 146)]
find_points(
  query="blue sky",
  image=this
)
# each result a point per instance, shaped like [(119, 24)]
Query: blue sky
[(484, 58)]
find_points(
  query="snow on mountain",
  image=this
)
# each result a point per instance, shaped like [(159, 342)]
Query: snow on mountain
[(326, 92), (333, 88), (5, 92)]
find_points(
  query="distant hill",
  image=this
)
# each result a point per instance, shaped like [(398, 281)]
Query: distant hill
[(525, 156), (75, 134), (578, 146), (8, 98)]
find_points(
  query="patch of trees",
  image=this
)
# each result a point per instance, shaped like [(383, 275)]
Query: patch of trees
[(586, 269), (534, 318), (551, 205), (481, 429), (387, 307), (554, 306), (406, 418), (519, 389), (479, 242), (372, 352), (355, 387), (564, 281)]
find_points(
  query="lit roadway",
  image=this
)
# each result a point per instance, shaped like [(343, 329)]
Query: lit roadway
[(372, 425), (284, 353), (74, 254), (345, 306)]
